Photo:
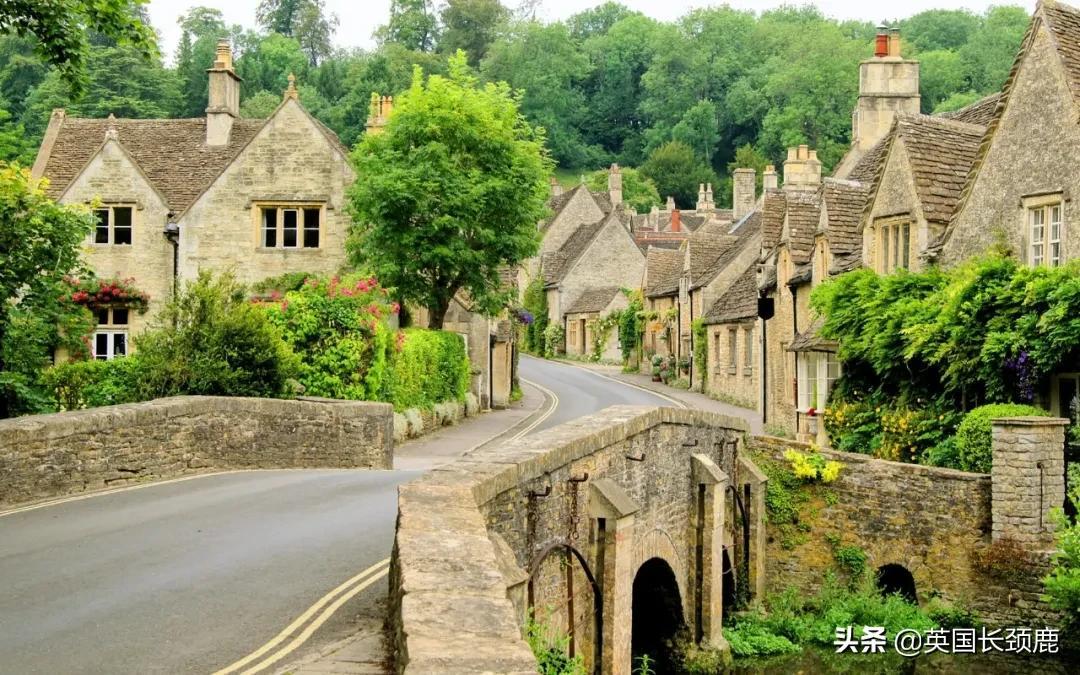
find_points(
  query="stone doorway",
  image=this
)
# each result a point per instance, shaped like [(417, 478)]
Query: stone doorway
[(657, 617)]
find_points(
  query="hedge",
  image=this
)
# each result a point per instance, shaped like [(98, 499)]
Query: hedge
[(430, 367), (973, 436)]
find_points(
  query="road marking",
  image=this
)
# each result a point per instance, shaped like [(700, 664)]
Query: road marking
[(677, 402), (539, 420), (346, 590)]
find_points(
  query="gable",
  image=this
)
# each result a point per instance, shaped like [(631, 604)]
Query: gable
[(612, 259), (894, 191), (112, 175), (580, 209)]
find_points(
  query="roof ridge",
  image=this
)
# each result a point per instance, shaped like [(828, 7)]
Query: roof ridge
[(921, 118)]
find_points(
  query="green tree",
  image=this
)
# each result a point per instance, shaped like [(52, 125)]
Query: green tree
[(260, 105), (990, 52), (62, 29), (279, 16), (449, 192), (937, 29), (412, 25), (956, 101), (698, 129), (200, 30), (942, 74), (676, 172), (471, 25), (15, 145), (266, 65), (39, 244), (638, 191), (314, 28)]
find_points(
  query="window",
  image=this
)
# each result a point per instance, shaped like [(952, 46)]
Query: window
[(748, 351), (733, 349), (715, 337), (817, 373), (111, 336), (290, 226), (113, 225), (895, 251), (1045, 229)]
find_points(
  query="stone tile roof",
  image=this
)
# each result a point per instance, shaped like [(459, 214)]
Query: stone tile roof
[(1064, 23), (844, 204), (774, 206), (663, 269), (866, 169), (559, 202), (171, 153), (810, 340), (739, 302), (736, 239), (803, 214), (980, 112), (557, 264), (802, 274), (768, 279), (941, 153), (593, 300), (846, 263)]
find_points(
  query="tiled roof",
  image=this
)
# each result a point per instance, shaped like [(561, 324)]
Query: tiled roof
[(739, 302), (768, 279), (803, 214), (593, 300), (802, 274), (663, 269), (980, 112), (810, 340), (1064, 23), (773, 208), (941, 153), (866, 169), (557, 264), (171, 153), (844, 204), (738, 237), (846, 263)]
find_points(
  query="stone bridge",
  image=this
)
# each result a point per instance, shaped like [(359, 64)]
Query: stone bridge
[(618, 530)]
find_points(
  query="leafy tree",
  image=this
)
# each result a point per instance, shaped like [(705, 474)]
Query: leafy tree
[(598, 20), (20, 71), (942, 74), (314, 29), (279, 16), (267, 64), (15, 146), (61, 30), (990, 52), (639, 192), (449, 192), (677, 173), (412, 25), (200, 30), (937, 29), (957, 101), (260, 106), (698, 129), (471, 25), (39, 244)]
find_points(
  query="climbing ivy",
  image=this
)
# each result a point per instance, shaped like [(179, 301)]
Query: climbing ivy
[(535, 302), (632, 327), (701, 351)]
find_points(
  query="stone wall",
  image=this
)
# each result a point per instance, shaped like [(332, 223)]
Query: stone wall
[(934, 522), (46, 456), (619, 488)]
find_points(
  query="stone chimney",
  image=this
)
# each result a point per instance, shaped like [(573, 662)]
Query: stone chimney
[(670, 206), (769, 178), (556, 186), (705, 197), (614, 185), (381, 107), (888, 84), (290, 91), (700, 197), (743, 188), (802, 170), (224, 101)]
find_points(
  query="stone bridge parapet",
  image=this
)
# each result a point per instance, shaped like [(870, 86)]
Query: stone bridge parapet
[(557, 526)]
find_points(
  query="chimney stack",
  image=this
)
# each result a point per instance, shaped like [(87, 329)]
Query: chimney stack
[(881, 42), (802, 170), (614, 185), (743, 188), (556, 186), (670, 206), (888, 84), (676, 221), (700, 197), (290, 91), (224, 100), (381, 107), (769, 178), (705, 197)]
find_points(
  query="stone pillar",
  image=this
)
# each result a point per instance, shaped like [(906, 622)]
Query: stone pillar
[(742, 192), (752, 477), (710, 485), (612, 507), (769, 179), (1028, 478), (802, 169)]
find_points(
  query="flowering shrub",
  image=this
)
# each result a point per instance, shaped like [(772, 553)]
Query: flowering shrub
[(812, 466), (108, 292), (554, 340), (338, 329), (909, 433)]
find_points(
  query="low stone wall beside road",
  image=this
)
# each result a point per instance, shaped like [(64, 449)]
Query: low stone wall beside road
[(45, 456)]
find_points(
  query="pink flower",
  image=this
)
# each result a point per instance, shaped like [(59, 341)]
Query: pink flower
[(395, 308), (285, 306), (275, 295)]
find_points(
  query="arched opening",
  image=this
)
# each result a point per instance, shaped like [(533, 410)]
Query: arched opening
[(728, 584), (553, 569), (893, 579), (657, 616)]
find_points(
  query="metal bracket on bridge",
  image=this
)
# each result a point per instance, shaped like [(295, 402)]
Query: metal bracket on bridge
[(577, 479), (639, 458)]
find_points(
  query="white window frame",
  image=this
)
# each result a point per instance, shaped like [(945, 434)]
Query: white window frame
[(894, 245), (111, 225), (1044, 229), (301, 229), (113, 332), (818, 372)]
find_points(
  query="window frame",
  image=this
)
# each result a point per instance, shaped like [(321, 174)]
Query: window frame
[(1046, 249), (748, 351), (113, 333), (894, 244), (817, 373), (110, 226), (733, 350), (299, 232)]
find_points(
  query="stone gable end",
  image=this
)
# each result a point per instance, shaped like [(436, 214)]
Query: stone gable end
[(290, 159), (895, 195), (581, 209), (1033, 150), (612, 259)]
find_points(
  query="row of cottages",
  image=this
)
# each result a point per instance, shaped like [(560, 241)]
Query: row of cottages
[(257, 197), (914, 190)]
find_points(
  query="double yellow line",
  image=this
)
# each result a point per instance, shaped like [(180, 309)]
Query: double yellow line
[(304, 626)]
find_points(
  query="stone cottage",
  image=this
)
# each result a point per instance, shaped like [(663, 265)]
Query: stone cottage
[(584, 319)]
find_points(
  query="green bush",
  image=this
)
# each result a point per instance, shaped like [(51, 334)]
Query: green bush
[(90, 384), (1063, 583), (753, 639), (554, 340), (430, 367), (973, 434)]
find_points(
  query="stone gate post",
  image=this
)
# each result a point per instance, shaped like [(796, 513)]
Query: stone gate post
[(706, 584), (1028, 478), (613, 509)]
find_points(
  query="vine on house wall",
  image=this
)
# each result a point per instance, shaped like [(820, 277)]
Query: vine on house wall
[(601, 332)]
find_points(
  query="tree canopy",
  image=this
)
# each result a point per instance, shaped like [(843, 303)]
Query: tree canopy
[(450, 192)]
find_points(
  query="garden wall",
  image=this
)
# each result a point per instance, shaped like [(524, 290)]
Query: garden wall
[(45, 456), (936, 523)]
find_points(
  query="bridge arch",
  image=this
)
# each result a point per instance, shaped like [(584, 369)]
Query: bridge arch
[(657, 616), (895, 579), (571, 553), (657, 543)]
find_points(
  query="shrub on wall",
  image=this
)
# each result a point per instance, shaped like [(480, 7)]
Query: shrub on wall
[(554, 340), (973, 436), (632, 328), (89, 384), (430, 367)]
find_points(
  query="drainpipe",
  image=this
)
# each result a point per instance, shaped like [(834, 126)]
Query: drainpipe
[(795, 330), (690, 356), (172, 234)]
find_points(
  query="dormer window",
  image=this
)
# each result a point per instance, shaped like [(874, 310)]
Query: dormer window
[(894, 245), (290, 226), (113, 225), (1045, 228)]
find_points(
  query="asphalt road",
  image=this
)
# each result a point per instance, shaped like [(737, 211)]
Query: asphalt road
[(189, 576)]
